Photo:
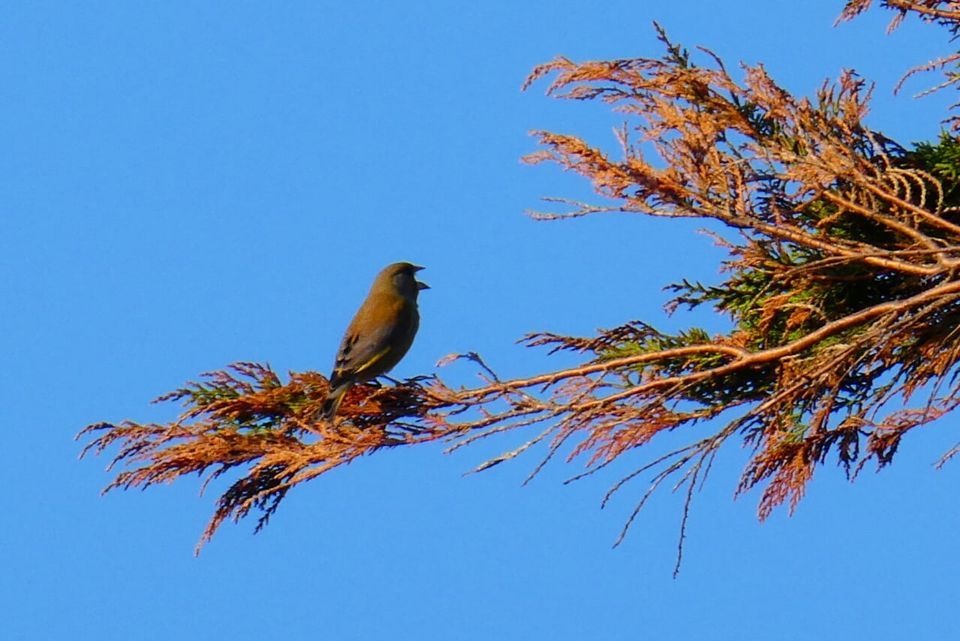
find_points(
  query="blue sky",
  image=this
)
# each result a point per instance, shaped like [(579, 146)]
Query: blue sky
[(189, 184)]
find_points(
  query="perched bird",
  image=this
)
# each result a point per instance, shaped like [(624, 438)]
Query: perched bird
[(380, 333)]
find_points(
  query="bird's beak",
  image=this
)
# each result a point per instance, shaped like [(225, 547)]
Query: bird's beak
[(420, 285)]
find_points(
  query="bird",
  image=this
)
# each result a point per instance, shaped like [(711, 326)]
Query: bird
[(380, 333)]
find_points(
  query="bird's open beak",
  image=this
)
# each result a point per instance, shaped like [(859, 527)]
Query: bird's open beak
[(420, 285)]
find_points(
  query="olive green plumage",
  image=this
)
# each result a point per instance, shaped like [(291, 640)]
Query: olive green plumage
[(380, 333)]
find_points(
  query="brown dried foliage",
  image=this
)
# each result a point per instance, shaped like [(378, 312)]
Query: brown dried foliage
[(245, 417), (841, 288), (941, 12)]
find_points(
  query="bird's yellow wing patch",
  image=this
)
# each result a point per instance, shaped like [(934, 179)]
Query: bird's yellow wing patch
[(370, 362)]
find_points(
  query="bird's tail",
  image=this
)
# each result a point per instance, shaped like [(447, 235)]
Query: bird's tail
[(332, 403)]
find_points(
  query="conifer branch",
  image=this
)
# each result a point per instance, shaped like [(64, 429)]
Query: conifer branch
[(841, 291)]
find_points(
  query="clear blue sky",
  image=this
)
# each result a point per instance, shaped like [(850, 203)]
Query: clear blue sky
[(184, 185)]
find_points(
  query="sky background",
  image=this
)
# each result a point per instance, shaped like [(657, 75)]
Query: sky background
[(184, 185)]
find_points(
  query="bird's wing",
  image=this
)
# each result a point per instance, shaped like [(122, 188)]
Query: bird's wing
[(369, 338), (357, 355)]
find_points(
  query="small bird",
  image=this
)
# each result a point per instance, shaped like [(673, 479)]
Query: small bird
[(380, 333)]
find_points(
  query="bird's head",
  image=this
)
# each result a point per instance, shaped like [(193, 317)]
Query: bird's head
[(402, 278)]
